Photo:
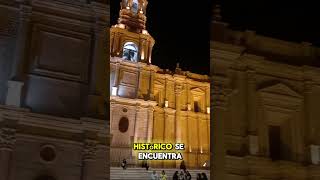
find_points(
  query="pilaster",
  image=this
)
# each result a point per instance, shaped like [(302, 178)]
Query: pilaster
[(219, 104), (99, 63), (251, 105), (7, 142), (150, 124), (89, 154), (311, 132), (17, 77)]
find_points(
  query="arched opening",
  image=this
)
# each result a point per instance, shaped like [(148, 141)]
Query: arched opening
[(124, 124), (130, 51), (196, 106), (135, 6)]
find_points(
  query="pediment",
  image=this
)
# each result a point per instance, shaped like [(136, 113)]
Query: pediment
[(281, 89), (197, 91)]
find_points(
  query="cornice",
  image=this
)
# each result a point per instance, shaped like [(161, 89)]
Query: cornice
[(133, 102)]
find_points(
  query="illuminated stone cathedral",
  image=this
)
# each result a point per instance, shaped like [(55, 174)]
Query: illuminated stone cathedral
[(151, 104), (265, 101)]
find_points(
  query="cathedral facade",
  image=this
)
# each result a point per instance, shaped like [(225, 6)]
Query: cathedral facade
[(265, 100), (53, 117), (150, 104)]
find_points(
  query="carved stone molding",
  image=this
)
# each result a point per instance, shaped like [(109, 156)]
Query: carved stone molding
[(89, 150), (25, 12), (219, 96), (251, 76), (178, 89), (7, 138), (308, 86)]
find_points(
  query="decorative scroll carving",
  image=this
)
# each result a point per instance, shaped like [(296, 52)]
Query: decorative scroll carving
[(178, 89), (8, 23), (219, 95), (7, 138), (89, 150)]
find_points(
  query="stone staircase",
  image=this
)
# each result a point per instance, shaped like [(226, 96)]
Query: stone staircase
[(117, 173)]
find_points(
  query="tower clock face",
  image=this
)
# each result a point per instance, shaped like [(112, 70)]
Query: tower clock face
[(135, 6)]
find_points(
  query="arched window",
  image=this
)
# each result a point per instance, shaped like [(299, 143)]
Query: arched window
[(135, 6), (130, 52), (123, 124)]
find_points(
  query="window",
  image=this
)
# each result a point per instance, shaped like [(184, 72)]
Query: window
[(196, 106), (275, 142), (123, 124), (47, 153), (130, 52), (135, 6)]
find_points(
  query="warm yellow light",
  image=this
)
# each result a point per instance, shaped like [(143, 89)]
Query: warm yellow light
[(122, 26), (189, 107), (166, 104), (145, 32), (204, 165), (114, 91), (208, 110)]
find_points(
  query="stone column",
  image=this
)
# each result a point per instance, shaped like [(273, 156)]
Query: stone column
[(219, 109), (253, 140), (89, 159), (137, 124), (116, 76), (151, 89), (7, 141), (178, 90), (141, 72), (178, 126), (150, 124), (17, 77), (311, 130), (169, 133), (99, 64), (251, 108), (20, 58), (112, 109)]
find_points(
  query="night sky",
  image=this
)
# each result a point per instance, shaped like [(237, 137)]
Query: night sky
[(295, 21), (181, 32), (181, 29)]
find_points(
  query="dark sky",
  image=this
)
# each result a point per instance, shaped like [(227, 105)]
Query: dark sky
[(295, 21), (181, 29), (181, 32)]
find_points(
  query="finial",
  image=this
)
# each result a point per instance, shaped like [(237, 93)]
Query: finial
[(217, 13), (178, 64)]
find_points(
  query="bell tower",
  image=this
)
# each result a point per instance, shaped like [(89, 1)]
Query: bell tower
[(131, 81), (129, 39)]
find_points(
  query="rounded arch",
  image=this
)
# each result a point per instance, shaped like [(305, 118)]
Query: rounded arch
[(130, 51)]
